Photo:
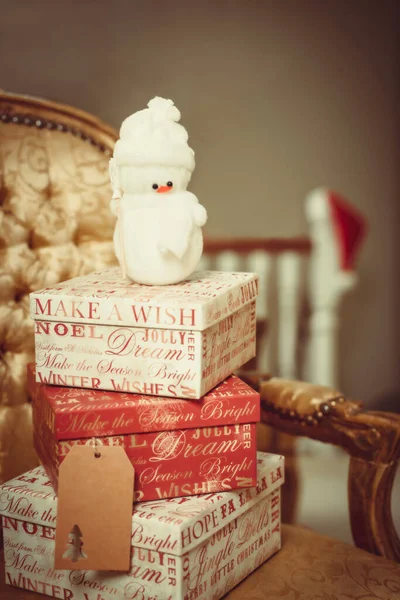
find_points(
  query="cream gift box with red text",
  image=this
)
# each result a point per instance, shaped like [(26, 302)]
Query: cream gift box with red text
[(103, 332), (177, 447), (182, 549)]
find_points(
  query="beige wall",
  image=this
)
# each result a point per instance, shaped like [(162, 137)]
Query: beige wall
[(278, 96)]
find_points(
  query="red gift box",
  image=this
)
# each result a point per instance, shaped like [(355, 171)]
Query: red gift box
[(177, 447)]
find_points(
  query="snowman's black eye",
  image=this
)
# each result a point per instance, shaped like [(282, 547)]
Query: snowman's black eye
[(169, 183), (154, 186)]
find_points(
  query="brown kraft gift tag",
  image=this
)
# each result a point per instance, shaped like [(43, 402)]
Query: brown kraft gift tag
[(94, 511)]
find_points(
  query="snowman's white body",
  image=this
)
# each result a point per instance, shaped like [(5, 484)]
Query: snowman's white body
[(161, 244), (158, 238), (161, 241)]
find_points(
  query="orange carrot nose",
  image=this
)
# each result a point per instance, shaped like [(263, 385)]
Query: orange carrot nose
[(163, 188)]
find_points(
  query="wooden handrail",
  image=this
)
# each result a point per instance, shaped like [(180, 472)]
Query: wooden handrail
[(299, 245)]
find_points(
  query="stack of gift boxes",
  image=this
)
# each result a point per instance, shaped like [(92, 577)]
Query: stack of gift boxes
[(149, 368)]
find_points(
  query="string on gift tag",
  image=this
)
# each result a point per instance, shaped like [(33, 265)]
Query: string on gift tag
[(97, 452), (94, 513)]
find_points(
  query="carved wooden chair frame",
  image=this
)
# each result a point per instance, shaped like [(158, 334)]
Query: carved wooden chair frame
[(371, 438)]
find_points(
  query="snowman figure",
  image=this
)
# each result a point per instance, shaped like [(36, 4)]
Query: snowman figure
[(158, 238)]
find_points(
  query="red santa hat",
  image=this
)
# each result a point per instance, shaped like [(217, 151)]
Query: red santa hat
[(349, 225)]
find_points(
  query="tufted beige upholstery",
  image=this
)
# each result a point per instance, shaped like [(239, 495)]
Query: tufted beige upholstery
[(54, 224)]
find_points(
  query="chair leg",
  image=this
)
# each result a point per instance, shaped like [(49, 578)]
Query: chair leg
[(370, 486)]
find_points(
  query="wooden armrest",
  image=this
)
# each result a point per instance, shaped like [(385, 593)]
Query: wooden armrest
[(371, 438), (254, 378)]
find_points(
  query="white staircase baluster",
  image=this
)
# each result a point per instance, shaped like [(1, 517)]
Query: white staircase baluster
[(228, 260), (288, 286), (327, 285), (205, 263), (260, 262)]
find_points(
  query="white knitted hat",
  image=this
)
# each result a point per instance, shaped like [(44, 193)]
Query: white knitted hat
[(153, 136)]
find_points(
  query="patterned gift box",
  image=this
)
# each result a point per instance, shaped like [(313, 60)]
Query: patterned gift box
[(103, 332), (177, 447), (182, 549)]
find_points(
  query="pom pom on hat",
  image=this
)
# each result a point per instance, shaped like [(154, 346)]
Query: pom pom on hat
[(153, 136), (164, 109)]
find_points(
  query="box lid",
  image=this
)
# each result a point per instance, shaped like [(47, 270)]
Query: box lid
[(106, 298), (85, 413), (173, 526)]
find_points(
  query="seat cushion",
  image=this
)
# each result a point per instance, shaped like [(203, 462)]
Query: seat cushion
[(311, 565)]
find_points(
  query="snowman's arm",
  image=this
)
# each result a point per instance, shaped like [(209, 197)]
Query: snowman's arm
[(199, 215), (198, 210)]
